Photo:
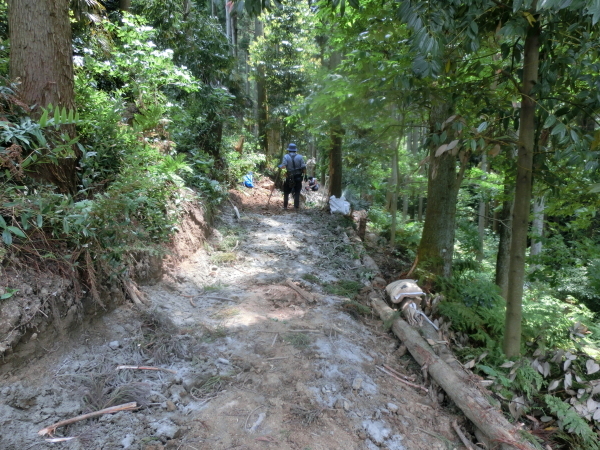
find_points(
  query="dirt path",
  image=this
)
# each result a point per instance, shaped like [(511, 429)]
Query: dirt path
[(257, 366)]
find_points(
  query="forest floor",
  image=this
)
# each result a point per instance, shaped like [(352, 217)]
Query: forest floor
[(251, 362)]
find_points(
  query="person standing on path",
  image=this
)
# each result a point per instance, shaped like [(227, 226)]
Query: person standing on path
[(295, 167)]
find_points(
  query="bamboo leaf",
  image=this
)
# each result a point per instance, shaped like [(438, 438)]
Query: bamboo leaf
[(7, 237), (44, 118), (16, 231)]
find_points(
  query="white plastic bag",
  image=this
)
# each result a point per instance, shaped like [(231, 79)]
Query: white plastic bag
[(339, 205), (403, 288)]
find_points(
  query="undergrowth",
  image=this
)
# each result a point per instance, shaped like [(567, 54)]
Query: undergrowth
[(343, 288), (556, 381)]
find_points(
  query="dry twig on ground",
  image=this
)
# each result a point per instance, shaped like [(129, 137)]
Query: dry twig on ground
[(113, 409)]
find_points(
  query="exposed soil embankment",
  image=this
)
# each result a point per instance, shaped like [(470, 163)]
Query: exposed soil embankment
[(49, 301)]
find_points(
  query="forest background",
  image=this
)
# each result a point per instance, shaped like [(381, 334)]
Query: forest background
[(467, 130)]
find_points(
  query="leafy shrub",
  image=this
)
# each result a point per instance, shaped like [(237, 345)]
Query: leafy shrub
[(239, 165)]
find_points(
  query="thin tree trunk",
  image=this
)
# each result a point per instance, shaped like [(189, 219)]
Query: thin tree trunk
[(405, 199), (335, 158), (520, 222), (481, 214), (124, 5), (504, 225), (420, 210), (227, 23), (336, 133), (537, 226), (394, 191)]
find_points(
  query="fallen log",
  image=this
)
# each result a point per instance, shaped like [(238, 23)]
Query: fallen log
[(467, 397)]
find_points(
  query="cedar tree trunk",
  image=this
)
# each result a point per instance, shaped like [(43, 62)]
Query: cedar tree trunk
[(437, 241), (41, 58), (261, 96)]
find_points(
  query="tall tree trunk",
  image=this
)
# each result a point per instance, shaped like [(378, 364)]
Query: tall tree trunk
[(41, 57), (437, 241), (481, 214), (504, 226), (336, 132), (405, 198), (335, 158), (394, 191), (537, 226), (124, 5), (520, 221), (261, 96)]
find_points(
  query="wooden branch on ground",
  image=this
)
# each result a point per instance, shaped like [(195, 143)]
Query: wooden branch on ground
[(463, 438), (113, 409), (424, 389), (135, 294), (467, 397), (146, 368), (305, 295), (395, 372), (237, 212)]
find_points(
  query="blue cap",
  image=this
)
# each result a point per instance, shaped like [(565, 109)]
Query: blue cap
[(292, 148)]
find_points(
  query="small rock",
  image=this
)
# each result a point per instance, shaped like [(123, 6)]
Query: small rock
[(392, 407), (165, 428), (127, 441), (401, 351), (362, 434), (379, 282), (347, 405), (223, 361), (177, 392), (114, 345), (339, 403), (171, 406), (357, 383)]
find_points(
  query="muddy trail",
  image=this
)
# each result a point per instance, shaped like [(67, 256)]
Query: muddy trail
[(257, 343)]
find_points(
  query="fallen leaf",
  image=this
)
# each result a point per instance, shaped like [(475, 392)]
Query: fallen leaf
[(591, 366), (568, 380), (470, 364)]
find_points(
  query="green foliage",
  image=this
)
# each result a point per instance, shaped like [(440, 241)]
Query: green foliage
[(343, 288), (298, 340), (474, 289), (356, 309), (571, 422), (546, 317), (239, 165), (311, 278)]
